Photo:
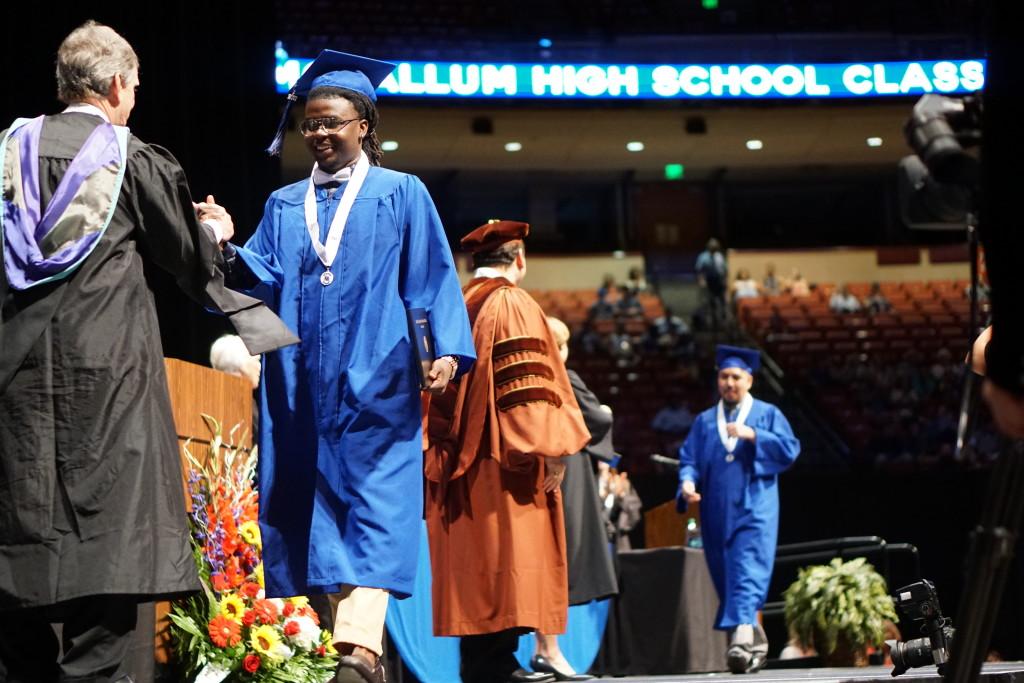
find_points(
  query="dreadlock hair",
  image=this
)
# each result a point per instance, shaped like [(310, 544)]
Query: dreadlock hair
[(504, 255), (366, 110)]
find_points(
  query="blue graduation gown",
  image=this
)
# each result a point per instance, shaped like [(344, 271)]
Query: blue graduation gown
[(739, 506), (341, 465)]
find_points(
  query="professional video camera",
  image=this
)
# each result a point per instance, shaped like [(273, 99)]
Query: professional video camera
[(937, 182), (920, 602)]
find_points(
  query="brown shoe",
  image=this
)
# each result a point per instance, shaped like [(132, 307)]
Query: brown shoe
[(357, 669)]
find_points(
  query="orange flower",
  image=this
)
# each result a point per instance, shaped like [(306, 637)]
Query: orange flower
[(266, 611), (289, 608), (224, 632), (249, 618), (233, 572), (250, 589), (220, 583)]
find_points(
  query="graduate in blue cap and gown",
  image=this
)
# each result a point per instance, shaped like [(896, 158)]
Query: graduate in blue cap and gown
[(342, 256), (730, 463)]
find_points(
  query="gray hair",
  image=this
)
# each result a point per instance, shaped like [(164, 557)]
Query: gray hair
[(89, 58)]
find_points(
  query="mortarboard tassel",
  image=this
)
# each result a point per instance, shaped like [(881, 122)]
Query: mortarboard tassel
[(275, 145)]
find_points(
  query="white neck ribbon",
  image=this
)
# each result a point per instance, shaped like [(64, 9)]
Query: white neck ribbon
[(730, 441), (328, 252)]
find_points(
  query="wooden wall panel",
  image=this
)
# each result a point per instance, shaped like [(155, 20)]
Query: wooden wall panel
[(196, 390)]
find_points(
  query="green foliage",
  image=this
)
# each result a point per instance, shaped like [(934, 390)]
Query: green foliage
[(846, 601)]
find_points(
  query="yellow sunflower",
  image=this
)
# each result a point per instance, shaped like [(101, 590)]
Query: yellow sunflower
[(264, 640), (299, 601), (250, 531), (232, 607)]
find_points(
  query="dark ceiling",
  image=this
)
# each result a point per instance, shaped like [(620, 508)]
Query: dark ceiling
[(610, 30)]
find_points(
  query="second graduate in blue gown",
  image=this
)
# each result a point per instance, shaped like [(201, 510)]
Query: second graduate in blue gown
[(739, 505)]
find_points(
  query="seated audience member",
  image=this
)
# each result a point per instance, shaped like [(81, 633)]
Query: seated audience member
[(636, 281), (628, 304), (670, 333), (669, 324), (607, 288), (744, 286), (843, 301), (674, 419), (798, 286), (590, 340), (228, 354), (770, 285), (875, 302), (601, 309), (620, 344)]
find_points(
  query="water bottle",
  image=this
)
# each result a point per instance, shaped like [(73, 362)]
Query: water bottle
[(693, 539)]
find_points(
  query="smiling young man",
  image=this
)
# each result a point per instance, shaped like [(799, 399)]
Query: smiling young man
[(342, 256), (733, 455)]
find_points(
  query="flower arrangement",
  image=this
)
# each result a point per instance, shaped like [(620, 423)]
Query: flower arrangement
[(230, 631)]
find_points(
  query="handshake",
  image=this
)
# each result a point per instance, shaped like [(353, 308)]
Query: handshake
[(215, 217)]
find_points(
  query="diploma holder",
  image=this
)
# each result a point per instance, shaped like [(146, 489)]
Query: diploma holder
[(423, 343)]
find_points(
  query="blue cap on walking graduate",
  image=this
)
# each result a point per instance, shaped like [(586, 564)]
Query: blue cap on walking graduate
[(737, 357)]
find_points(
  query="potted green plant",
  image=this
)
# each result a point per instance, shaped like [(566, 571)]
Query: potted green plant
[(840, 609)]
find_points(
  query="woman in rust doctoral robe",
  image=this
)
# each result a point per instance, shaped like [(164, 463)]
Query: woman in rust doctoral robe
[(497, 539)]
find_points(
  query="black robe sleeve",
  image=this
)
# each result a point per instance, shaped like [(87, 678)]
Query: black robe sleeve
[(598, 421), (177, 242)]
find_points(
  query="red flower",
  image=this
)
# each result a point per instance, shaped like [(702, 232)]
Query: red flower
[(250, 589), (291, 628), (251, 662), (266, 611), (322, 650), (224, 632), (220, 583), (249, 618), (289, 609)]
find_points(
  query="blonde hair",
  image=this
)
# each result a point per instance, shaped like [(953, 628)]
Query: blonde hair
[(89, 58), (559, 329)]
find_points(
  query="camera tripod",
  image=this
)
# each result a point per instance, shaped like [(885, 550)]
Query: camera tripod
[(991, 550)]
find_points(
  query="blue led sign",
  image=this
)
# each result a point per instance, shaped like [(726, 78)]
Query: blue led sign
[(668, 81)]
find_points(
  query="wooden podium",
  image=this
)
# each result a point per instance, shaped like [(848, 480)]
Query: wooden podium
[(196, 390), (664, 527)]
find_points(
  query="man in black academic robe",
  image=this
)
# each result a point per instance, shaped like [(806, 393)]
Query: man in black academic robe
[(92, 514)]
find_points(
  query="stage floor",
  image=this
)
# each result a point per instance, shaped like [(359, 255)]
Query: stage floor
[(1003, 672)]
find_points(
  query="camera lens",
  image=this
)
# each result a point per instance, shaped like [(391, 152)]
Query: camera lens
[(912, 653)]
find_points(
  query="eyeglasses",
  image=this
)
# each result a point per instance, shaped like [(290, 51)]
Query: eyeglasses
[(329, 124)]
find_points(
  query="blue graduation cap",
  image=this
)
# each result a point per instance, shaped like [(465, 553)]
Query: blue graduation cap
[(737, 357), (338, 70)]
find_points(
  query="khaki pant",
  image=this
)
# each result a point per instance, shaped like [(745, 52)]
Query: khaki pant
[(359, 617)]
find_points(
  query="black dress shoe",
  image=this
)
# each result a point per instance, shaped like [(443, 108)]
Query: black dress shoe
[(524, 676), (542, 663), (738, 658), (357, 669)]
